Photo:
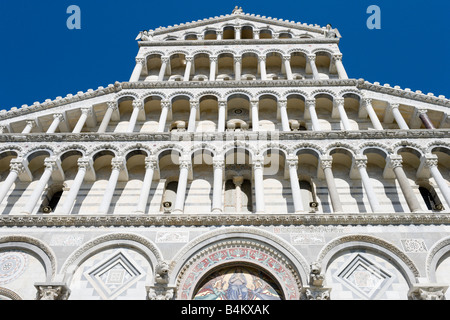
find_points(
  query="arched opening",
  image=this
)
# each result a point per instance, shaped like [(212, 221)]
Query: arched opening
[(125, 111), (265, 34), (169, 169), (152, 108), (228, 33), (295, 109), (238, 112), (181, 109), (177, 67), (225, 67), (210, 35), (209, 114), (324, 110), (190, 36), (352, 106), (247, 32), (153, 67), (249, 66), (238, 197), (268, 113), (323, 63), (274, 66), (238, 282), (201, 67), (298, 65), (51, 199), (430, 197)]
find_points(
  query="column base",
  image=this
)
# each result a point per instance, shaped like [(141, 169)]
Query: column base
[(177, 211), (216, 211)]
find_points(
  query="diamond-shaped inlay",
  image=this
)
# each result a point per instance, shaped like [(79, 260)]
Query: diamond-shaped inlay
[(114, 275), (364, 277)]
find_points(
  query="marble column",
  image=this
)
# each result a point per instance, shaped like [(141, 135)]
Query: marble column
[(342, 114), (138, 106), (165, 107), (219, 34), (182, 184), (16, 168), (425, 119), (295, 185), (219, 166), (326, 163), (162, 71), (238, 181), (256, 34), (258, 174), (30, 125), (312, 62), (255, 114), (311, 106), (150, 167), (187, 73), (212, 68), (398, 116), (431, 162), (57, 119), (50, 165), (372, 114), (361, 164), (284, 115), (262, 67), (222, 116), (85, 113), (193, 115), (3, 129), (340, 67), (140, 62), (112, 106), (238, 68), (237, 32), (83, 165), (117, 165), (287, 67), (395, 162)]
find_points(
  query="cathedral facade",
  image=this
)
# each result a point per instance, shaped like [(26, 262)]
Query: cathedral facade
[(239, 162)]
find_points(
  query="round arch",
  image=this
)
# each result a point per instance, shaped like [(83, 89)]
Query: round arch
[(246, 246)]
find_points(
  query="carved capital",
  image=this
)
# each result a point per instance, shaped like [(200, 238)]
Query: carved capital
[(140, 61), (310, 103), (292, 162), (16, 165), (431, 160), (311, 57), (395, 161), (316, 293), (138, 104), (52, 292), (113, 105), (117, 164), (161, 293), (337, 57), (427, 292), (151, 163), (83, 163), (86, 111), (326, 162), (50, 164)]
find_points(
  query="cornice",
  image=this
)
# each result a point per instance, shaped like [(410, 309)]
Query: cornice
[(234, 42), (119, 86), (226, 220), (227, 136), (244, 16)]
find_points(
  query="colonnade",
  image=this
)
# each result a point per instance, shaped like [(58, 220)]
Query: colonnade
[(118, 164), (285, 68)]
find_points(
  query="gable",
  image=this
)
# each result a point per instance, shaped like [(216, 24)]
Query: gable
[(244, 20)]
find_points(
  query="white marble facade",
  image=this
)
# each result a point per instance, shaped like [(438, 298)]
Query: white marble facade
[(241, 140)]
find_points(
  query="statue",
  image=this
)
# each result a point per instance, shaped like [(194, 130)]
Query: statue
[(316, 278), (145, 36), (330, 33), (162, 273), (238, 10)]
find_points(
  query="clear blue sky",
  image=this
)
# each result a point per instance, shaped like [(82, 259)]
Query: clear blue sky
[(41, 59)]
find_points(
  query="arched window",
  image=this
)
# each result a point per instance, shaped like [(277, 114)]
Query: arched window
[(169, 197), (430, 198), (51, 199)]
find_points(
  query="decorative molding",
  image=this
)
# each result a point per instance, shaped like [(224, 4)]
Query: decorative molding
[(226, 220)]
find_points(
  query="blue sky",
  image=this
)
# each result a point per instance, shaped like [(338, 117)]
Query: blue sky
[(40, 58)]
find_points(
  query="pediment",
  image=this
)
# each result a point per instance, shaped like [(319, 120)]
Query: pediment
[(179, 31)]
